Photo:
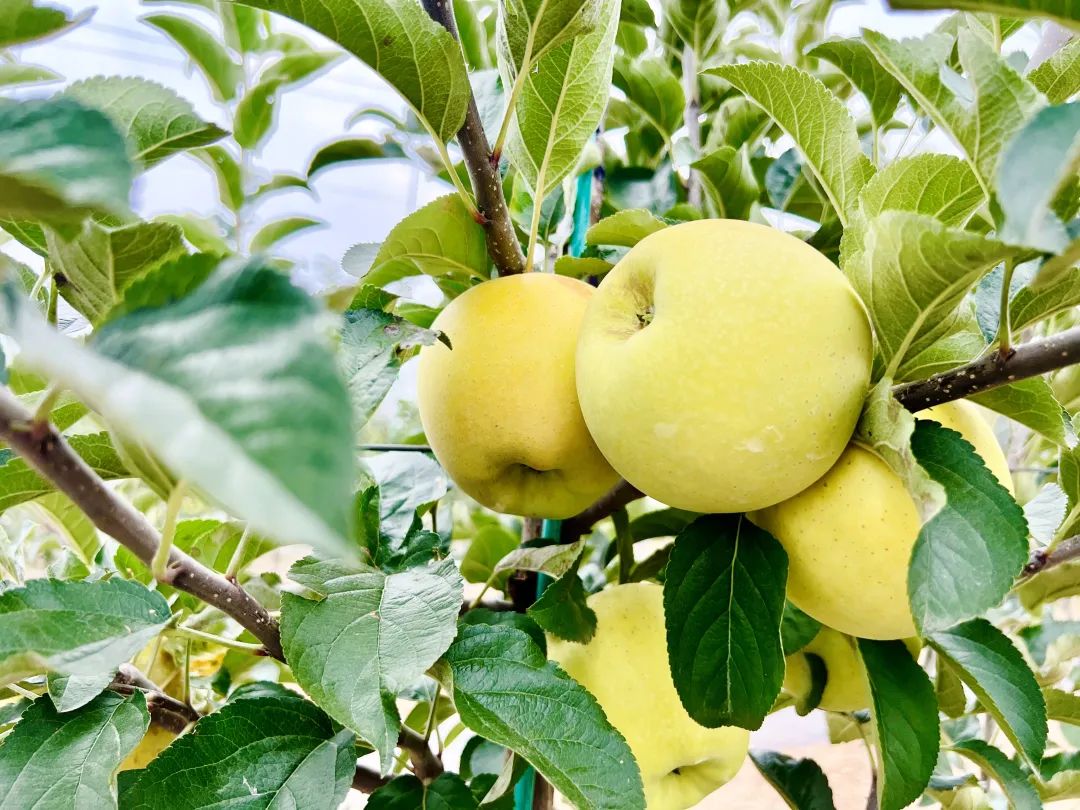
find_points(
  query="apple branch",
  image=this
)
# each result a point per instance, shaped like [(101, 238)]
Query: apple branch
[(50, 455), (483, 166), (993, 370), (1065, 551), (165, 710), (614, 500)]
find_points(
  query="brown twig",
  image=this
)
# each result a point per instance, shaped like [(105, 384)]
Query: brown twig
[(615, 499), (425, 764), (993, 370), (367, 781), (165, 710), (1065, 551), (50, 454), (502, 243)]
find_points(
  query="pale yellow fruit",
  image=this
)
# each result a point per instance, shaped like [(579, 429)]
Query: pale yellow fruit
[(501, 410), (625, 667), (846, 687), (153, 743), (722, 365), (849, 536)]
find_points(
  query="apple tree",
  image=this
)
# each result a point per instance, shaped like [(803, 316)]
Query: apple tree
[(747, 383)]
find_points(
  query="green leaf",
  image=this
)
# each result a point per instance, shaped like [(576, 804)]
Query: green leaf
[(730, 186), (561, 104), (528, 29), (219, 406), (1058, 78), (166, 284), (99, 261), (440, 239), (447, 791), (273, 232), (984, 658), (1030, 402), (60, 161), (553, 560), (1001, 100), (259, 752), (256, 111), (1062, 11), (698, 23), (801, 782), (489, 545), (1018, 790), (562, 609), (402, 43), (155, 120), (885, 427), (913, 273), (68, 760), (227, 173), (20, 483), (1041, 156), (75, 628), (409, 484), (797, 629), (213, 59), (374, 344), (653, 91), (855, 60), (70, 692), (980, 526), (950, 692), (347, 150), (24, 21), (299, 66), (1062, 706), (816, 120), (16, 74), (338, 649), (624, 228), (940, 186), (1030, 305), (58, 512), (506, 618), (507, 692), (905, 717), (723, 603)]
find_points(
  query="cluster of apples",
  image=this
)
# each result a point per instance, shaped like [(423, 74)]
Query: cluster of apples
[(720, 366)]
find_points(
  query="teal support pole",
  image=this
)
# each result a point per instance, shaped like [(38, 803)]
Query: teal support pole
[(526, 786)]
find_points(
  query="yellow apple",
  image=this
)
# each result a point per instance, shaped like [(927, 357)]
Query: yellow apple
[(846, 687), (849, 537), (625, 667), (153, 743), (500, 409), (722, 365)]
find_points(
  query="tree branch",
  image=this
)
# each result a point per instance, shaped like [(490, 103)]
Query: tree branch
[(993, 370), (615, 499), (691, 114), (367, 781), (166, 711), (50, 454), (502, 242), (425, 764), (1065, 551)]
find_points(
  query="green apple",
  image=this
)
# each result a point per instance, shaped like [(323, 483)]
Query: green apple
[(849, 536), (625, 667), (722, 365), (501, 410)]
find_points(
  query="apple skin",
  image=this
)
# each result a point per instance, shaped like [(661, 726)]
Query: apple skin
[(625, 667), (849, 537), (746, 385), (500, 410), (153, 743), (846, 687)]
